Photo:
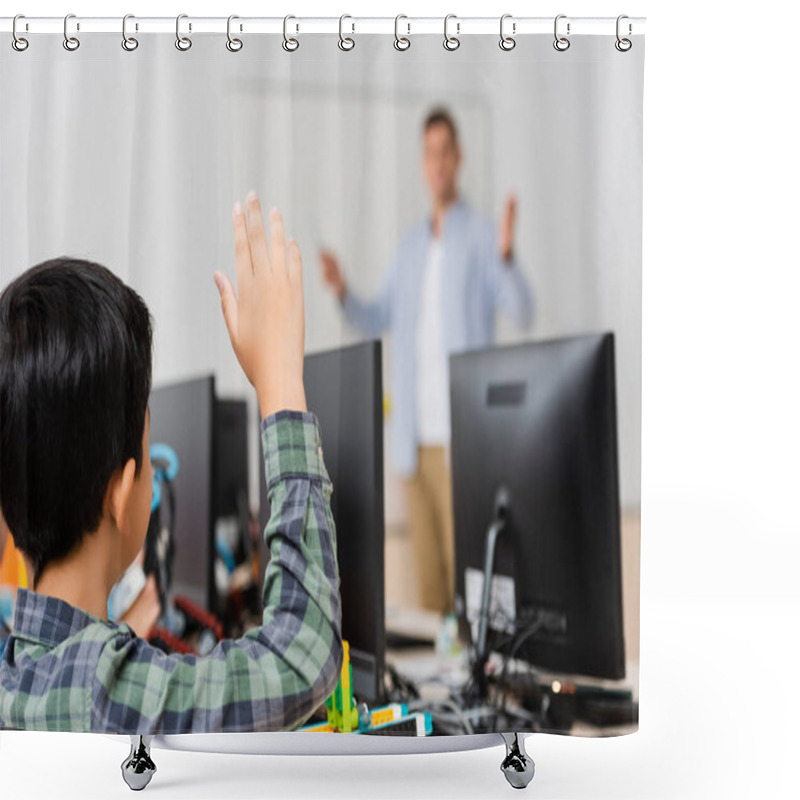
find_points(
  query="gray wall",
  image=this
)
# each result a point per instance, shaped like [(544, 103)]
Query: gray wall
[(135, 159)]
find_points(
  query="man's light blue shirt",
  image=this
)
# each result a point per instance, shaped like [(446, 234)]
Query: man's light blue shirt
[(477, 282)]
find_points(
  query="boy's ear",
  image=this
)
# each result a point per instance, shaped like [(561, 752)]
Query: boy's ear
[(120, 493)]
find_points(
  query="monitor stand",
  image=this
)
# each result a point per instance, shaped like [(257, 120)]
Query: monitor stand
[(481, 656), (517, 766)]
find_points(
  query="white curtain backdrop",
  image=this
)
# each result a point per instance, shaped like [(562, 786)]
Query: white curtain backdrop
[(135, 160)]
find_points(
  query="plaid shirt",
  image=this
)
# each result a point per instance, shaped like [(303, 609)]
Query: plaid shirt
[(64, 669)]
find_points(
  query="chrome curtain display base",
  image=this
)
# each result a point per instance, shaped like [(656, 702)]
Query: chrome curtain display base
[(517, 766), (138, 768)]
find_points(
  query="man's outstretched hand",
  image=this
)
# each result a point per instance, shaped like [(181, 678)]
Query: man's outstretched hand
[(332, 274), (265, 320), (507, 228)]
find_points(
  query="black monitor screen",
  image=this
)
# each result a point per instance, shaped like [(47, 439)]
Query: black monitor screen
[(230, 457), (182, 416), (343, 388), (539, 420)]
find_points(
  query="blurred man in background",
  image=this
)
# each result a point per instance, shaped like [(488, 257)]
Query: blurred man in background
[(449, 276)]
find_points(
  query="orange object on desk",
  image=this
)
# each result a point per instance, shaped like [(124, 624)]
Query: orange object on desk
[(12, 567)]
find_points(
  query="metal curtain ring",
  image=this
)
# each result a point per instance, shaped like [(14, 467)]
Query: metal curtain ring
[(401, 42), (451, 42), (183, 43), (70, 42), (18, 42), (623, 44), (128, 42), (233, 44), (290, 44), (561, 43), (507, 42), (346, 42)]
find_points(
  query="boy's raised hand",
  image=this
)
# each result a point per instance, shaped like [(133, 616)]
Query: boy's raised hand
[(266, 321)]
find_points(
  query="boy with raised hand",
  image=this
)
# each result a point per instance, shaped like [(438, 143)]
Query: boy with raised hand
[(75, 490)]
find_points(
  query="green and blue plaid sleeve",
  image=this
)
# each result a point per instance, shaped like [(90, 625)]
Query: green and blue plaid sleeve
[(276, 675), (64, 669)]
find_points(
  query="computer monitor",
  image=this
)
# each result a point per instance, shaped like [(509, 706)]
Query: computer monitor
[(534, 429), (343, 388), (230, 457), (182, 416)]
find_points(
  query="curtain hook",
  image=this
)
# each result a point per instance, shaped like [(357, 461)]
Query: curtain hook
[(401, 42), (346, 42), (183, 43), (561, 43), (451, 42), (70, 42), (233, 44), (507, 42), (290, 44), (19, 43), (623, 44), (128, 42)]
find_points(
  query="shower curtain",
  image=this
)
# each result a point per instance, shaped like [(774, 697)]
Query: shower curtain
[(528, 160)]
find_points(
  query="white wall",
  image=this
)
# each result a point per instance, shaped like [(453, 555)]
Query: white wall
[(135, 159)]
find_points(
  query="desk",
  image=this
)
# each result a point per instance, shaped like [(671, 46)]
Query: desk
[(436, 676)]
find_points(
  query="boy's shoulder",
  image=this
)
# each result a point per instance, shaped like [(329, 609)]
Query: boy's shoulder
[(54, 646), (50, 621), (59, 634)]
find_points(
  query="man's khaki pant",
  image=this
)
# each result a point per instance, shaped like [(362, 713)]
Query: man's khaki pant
[(430, 516)]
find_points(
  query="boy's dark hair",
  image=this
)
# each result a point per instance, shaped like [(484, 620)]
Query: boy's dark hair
[(441, 116), (75, 375)]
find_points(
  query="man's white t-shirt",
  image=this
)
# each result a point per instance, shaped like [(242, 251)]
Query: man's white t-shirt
[(432, 390)]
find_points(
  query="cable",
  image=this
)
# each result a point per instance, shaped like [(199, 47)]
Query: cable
[(460, 713), (403, 686), (533, 627), (432, 708)]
